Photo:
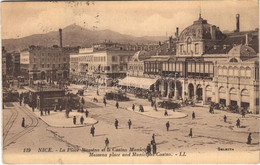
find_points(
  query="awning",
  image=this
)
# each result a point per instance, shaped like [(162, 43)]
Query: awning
[(137, 82)]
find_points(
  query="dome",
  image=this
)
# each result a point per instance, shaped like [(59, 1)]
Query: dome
[(200, 29), (140, 56), (242, 51)]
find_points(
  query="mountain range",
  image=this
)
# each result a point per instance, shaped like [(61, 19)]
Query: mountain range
[(74, 35)]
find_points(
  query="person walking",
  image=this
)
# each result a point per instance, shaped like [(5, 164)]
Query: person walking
[(165, 113), (154, 148), (107, 142), (190, 134), (225, 118), (20, 100), (23, 122), (105, 102), (82, 101), (81, 120), (129, 123), (249, 139), (92, 131), (238, 123), (133, 107), (86, 113), (74, 120), (243, 113), (153, 137), (167, 125), (116, 123), (117, 104), (193, 115)]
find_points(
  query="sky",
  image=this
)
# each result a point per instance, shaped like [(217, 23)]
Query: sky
[(143, 18)]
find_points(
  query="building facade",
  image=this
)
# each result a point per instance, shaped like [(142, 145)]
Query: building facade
[(45, 63), (207, 65)]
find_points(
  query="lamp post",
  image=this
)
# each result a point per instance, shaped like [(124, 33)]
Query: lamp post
[(175, 87)]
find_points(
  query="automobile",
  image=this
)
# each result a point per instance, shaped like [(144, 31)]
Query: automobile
[(168, 105)]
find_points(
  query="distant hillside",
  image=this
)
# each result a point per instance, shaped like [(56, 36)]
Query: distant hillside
[(74, 35)]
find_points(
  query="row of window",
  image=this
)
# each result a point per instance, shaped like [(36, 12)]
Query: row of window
[(48, 59), (100, 59), (234, 72), (49, 65), (187, 48), (135, 68)]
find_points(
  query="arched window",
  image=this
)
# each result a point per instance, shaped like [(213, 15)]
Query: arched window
[(242, 72), (233, 60), (236, 70), (189, 45), (225, 71), (230, 71), (248, 72), (220, 72)]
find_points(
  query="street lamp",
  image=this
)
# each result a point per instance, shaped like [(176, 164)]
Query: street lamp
[(175, 86)]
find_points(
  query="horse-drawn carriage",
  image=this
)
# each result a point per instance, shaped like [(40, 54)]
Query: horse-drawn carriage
[(168, 105), (116, 96)]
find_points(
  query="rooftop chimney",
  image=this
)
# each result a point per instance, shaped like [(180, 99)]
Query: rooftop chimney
[(60, 30), (237, 23), (246, 39)]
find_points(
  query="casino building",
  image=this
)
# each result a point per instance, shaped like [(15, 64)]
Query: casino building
[(205, 64)]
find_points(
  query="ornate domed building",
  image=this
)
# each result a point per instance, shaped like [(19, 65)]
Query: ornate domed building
[(196, 39)]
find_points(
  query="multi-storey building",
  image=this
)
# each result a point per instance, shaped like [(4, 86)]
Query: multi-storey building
[(207, 65), (102, 62), (49, 63)]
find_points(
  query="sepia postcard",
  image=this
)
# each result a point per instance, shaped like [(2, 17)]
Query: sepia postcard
[(130, 82)]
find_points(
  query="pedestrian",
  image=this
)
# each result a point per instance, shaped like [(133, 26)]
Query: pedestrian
[(165, 113), (225, 118), (41, 111), (129, 123), (193, 115), (86, 113), (116, 123), (23, 122), (148, 150), (154, 148), (82, 101), (105, 102), (81, 119), (45, 111), (107, 142), (97, 93), (243, 113), (33, 108), (74, 120), (117, 105), (167, 125), (190, 134), (92, 131), (155, 107), (49, 111), (20, 100), (153, 137), (249, 138), (238, 123), (133, 107)]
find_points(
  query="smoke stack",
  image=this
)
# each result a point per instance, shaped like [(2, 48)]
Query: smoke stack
[(177, 32), (60, 30), (237, 23)]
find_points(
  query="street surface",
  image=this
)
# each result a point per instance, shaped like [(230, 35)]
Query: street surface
[(210, 132)]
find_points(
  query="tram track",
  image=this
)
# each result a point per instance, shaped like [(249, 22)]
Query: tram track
[(9, 123), (34, 122)]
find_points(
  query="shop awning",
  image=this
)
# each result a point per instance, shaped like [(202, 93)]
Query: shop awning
[(137, 82)]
